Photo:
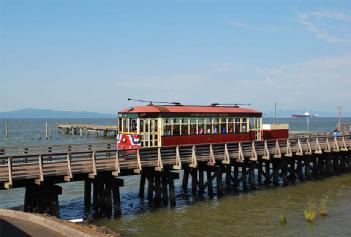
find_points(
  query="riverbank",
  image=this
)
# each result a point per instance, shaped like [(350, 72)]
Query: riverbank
[(17, 223)]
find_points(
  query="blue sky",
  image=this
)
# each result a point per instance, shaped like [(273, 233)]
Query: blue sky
[(93, 55)]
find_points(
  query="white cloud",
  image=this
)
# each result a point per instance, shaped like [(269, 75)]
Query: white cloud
[(241, 24), (318, 84), (238, 23), (313, 23)]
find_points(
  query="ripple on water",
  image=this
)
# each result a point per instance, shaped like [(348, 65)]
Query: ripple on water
[(250, 214)]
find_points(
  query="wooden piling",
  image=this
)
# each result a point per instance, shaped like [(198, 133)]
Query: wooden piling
[(172, 191), (236, 175), (259, 172), (209, 184), (299, 169), (284, 172), (158, 194), (95, 194), (185, 179), (228, 175), (150, 187), (42, 199), (201, 182), (87, 193), (193, 180), (252, 175), (142, 185), (219, 181), (307, 167), (116, 197), (164, 182), (244, 176), (267, 168), (275, 171)]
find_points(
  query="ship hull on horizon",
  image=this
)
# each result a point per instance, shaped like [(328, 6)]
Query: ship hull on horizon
[(300, 115)]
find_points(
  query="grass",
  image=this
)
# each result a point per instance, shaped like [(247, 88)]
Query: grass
[(323, 206), (282, 220), (310, 211)]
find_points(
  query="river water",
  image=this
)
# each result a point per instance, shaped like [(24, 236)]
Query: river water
[(255, 213)]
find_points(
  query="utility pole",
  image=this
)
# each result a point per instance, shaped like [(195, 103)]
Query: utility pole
[(46, 131), (275, 112), (338, 125), (6, 130)]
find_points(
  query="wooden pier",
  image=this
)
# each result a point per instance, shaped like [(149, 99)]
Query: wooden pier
[(240, 166), (87, 129)]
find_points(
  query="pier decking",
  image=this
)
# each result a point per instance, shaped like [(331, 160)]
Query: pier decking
[(245, 166), (81, 129)]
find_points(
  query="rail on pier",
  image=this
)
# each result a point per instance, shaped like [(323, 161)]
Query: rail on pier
[(22, 165), (40, 168)]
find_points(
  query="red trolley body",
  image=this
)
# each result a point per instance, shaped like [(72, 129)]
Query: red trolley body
[(170, 125)]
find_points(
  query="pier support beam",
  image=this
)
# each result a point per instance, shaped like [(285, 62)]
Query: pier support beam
[(219, 181), (106, 195), (161, 188), (185, 179), (142, 185), (87, 193), (209, 183), (42, 199)]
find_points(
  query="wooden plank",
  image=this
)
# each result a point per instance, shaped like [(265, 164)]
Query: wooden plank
[(40, 181), (159, 160), (277, 151), (299, 148), (288, 149), (69, 170), (266, 154), (240, 154), (139, 168), (93, 157), (344, 146), (309, 148), (117, 166), (9, 164), (253, 156), (178, 164), (193, 163), (226, 159), (212, 160)]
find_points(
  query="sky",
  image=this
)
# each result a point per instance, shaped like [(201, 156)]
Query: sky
[(83, 55)]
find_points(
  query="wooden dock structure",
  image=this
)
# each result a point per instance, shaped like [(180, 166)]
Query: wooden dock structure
[(82, 129), (240, 166)]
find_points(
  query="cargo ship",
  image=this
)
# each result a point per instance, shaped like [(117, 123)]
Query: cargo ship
[(305, 115)]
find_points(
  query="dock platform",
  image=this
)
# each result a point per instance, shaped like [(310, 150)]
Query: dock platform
[(244, 165), (87, 129)]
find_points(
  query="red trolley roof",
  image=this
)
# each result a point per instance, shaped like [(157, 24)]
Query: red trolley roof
[(188, 109)]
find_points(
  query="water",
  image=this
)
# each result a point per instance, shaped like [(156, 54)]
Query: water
[(27, 131), (249, 214)]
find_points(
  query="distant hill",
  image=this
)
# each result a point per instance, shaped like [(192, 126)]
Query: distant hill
[(47, 113)]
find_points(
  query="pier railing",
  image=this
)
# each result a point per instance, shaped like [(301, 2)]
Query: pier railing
[(66, 162)]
